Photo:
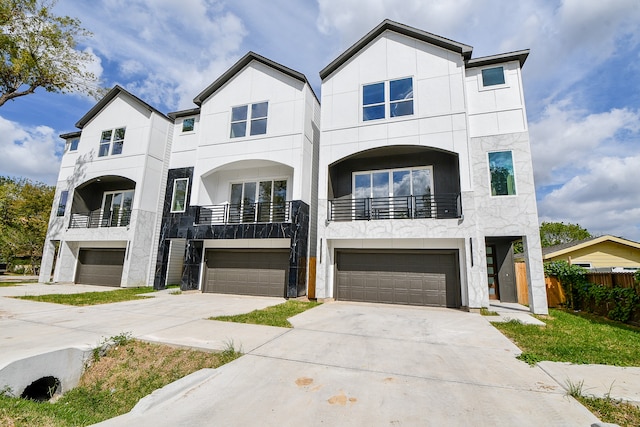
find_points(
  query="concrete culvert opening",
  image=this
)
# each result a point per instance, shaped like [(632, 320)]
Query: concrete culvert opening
[(42, 389)]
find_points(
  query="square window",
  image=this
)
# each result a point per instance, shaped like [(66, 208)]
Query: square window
[(503, 182), (179, 197), (188, 124), (115, 136), (257, 122), (399, 94), (493, 76)]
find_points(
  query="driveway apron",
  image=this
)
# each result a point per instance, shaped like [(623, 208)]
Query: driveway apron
[(376, 365)]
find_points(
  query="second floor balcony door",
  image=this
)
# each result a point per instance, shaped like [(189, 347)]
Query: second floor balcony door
[(116, 208)]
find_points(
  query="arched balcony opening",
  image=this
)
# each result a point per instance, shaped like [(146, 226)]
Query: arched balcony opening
[(395, 182), (105, 201)]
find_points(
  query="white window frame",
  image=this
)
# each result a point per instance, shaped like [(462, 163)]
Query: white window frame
[(193, 129), (104, 199), (390, 173), (112, 141), (492, 87), (257, 181), (515, 177), (70, 146), (387, 102), (173, 195), (248, 121), (62, 209)]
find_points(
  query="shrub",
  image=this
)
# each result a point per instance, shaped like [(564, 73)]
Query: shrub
[(572, 279)]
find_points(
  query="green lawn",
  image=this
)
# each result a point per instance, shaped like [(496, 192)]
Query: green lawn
[(577, 338), (112, 385), (276, 315), (91, 298)]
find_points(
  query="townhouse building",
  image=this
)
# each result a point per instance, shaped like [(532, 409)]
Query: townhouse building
[(408, 184)]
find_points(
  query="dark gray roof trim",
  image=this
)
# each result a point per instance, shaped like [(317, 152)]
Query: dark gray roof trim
[(184, 113), (520, 56), (238, 66), (387, 24), (70, 135), (107, 98), (562, 246)]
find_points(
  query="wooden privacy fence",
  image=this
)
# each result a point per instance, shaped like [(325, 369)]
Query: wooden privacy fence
[(555, 293)]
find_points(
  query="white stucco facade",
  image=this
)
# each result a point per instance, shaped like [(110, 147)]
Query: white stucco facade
[(138, 168), (452, 113)]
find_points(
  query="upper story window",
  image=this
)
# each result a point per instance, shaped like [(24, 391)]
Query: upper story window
[(391, 98), (111, 141), (188, 125), (253, 116), (62, 203), (503, 180), (73, 144), (179, 197), (493, 76)]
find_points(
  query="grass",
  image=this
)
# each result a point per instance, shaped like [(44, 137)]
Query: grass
[(612, 411), (91, 298), (484, 311), (7, 284), (276, 315), (577, 338), (112, 385)]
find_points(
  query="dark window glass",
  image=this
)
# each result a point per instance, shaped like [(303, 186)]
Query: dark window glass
[(62, 204), (373, 94), (373, 113), (188, 124), (493, 76), (73, 144)]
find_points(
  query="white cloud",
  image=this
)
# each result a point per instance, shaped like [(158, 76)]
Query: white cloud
[(30, 152), (565, 139), (166, 51), (603, 199)]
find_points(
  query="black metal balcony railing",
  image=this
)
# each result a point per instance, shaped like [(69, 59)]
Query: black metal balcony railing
[(438, 206), (98, 218), (243, 213)]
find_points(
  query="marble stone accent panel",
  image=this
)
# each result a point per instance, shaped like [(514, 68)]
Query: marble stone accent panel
[(182, 225)]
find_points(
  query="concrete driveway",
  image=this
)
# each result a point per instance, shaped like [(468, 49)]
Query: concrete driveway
[(353, 364)]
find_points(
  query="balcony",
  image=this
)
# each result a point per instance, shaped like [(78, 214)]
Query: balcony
[(100, 219), (249, 213), (440, 206)]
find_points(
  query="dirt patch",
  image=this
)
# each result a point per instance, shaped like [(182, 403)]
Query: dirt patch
[(341, 399)]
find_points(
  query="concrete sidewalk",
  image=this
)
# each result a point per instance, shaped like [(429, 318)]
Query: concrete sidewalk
[(342, 364)]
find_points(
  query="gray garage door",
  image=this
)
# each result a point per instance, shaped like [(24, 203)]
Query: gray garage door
[(247, 272), (399, 277), (100, 267)]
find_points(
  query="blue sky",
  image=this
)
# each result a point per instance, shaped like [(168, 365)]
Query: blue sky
[(581, 78)]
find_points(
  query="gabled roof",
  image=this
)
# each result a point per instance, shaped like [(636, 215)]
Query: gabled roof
[(238, 66), (387, 24), (117, 90), (553, 251), (520, 56)]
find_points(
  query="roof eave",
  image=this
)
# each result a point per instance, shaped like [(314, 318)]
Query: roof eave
[(184, 113), (501, 58), (70, 135), (387, 24), (117, 89)]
